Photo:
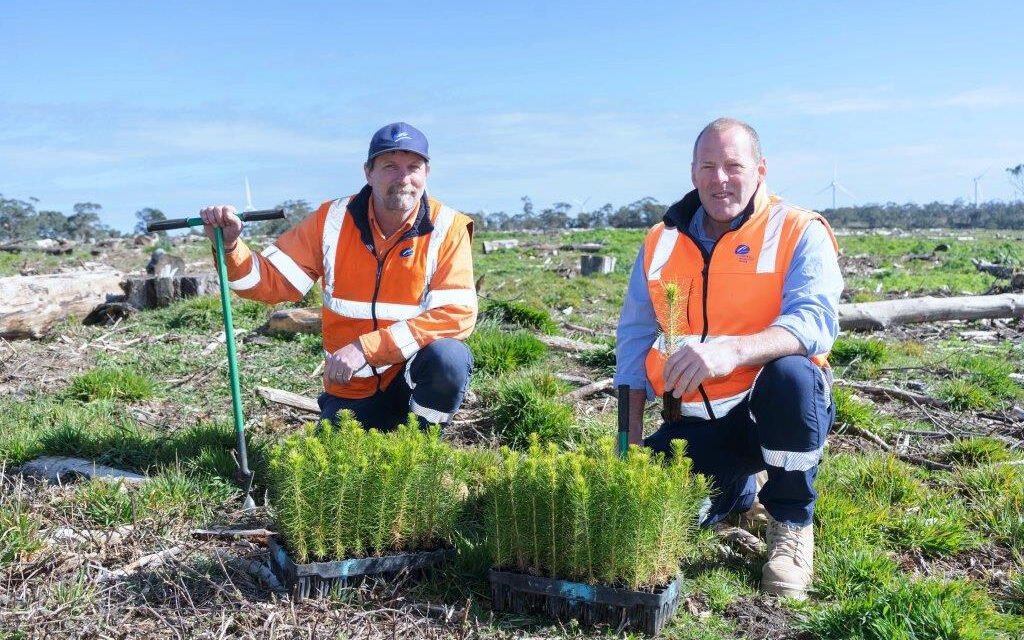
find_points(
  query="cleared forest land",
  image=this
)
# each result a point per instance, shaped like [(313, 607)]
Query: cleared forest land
[(919, 524)]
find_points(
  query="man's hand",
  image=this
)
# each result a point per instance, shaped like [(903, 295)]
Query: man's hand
[(344, 362), (222, 216), (687, 368)]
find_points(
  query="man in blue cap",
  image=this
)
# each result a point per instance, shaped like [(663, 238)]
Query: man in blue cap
[(398, 291)]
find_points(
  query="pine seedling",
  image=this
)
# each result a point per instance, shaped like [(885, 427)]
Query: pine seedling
[(670, 403)]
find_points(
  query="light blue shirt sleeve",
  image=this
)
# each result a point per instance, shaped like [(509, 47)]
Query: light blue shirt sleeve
[(636, 332), (810, 292)]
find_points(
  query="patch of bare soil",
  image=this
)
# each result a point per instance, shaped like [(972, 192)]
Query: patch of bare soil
[(763, 617)]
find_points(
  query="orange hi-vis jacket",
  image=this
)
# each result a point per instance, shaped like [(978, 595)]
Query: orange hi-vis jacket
[(736, 290), (418, 289)]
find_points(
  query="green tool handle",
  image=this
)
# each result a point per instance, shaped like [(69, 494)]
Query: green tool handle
[(229, 337), (182, 223), (623, 435)]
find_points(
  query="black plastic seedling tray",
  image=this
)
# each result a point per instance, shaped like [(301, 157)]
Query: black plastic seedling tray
[(319, 579), (590, 604)]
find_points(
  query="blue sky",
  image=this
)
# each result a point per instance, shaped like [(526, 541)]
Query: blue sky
[(171, 105)]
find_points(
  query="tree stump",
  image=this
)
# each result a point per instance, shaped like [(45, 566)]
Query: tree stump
[(153, 292), (590, 265)]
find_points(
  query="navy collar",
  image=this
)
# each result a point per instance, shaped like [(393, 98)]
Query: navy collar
[(359, 209)]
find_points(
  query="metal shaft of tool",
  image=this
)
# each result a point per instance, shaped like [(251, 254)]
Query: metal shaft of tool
[(229, 338)]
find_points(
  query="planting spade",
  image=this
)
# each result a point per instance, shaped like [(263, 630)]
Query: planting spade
[(622, 443), (243, 475)]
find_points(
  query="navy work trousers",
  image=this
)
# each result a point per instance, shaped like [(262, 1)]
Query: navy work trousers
[(431, 384), (781, 427)]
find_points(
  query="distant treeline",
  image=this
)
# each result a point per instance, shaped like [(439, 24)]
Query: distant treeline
[(19, 220), (647, 212)]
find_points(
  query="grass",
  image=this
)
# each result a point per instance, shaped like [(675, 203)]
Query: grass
[(876, 500), (110, 384), (530, 403), (721, 586), (519, 315), (847, 351), (908, 609), (976, 451), (964, 395), (19, 526), (602, 359), (496, 351)]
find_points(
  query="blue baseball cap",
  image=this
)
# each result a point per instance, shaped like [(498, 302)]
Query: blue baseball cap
[(398, 136)]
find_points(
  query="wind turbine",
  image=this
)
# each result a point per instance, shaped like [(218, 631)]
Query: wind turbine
[(835, 186), (248, 196), (977, 179)]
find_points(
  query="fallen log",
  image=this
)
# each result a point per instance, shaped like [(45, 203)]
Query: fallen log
[(289, 399), (887, 313), (155, 291), (295, 321), (232, 534), (31, 305)]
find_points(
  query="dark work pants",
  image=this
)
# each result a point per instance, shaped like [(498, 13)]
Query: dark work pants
[(781, 427), (431, 385)]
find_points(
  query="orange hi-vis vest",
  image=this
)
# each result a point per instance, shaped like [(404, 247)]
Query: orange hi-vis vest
[(736, 290), (391, 303)]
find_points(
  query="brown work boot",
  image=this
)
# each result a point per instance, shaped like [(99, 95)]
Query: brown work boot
[(790, 560)]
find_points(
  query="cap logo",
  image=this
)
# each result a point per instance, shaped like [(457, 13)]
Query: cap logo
[(401, 136)]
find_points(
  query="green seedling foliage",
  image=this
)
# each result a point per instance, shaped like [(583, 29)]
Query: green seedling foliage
[(975, 451), (589, 515), (19, 526), (519, 315), (907, 610), (496, 351), (110, 384), (522, 405), (339, 491)]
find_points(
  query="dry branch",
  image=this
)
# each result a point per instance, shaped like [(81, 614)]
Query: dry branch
[(892, 394), (589, 390)]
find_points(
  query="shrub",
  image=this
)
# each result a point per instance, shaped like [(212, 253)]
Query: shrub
[(341, 492), (496, 351), (528, 404), (110, 384), (590, 515), (520, 315)]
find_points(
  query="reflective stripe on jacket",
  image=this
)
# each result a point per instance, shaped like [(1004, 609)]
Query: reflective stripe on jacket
[(736, 290), (419, 290)]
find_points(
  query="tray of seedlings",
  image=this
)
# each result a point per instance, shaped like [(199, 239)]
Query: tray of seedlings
[(589, 535), (351, 503)]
